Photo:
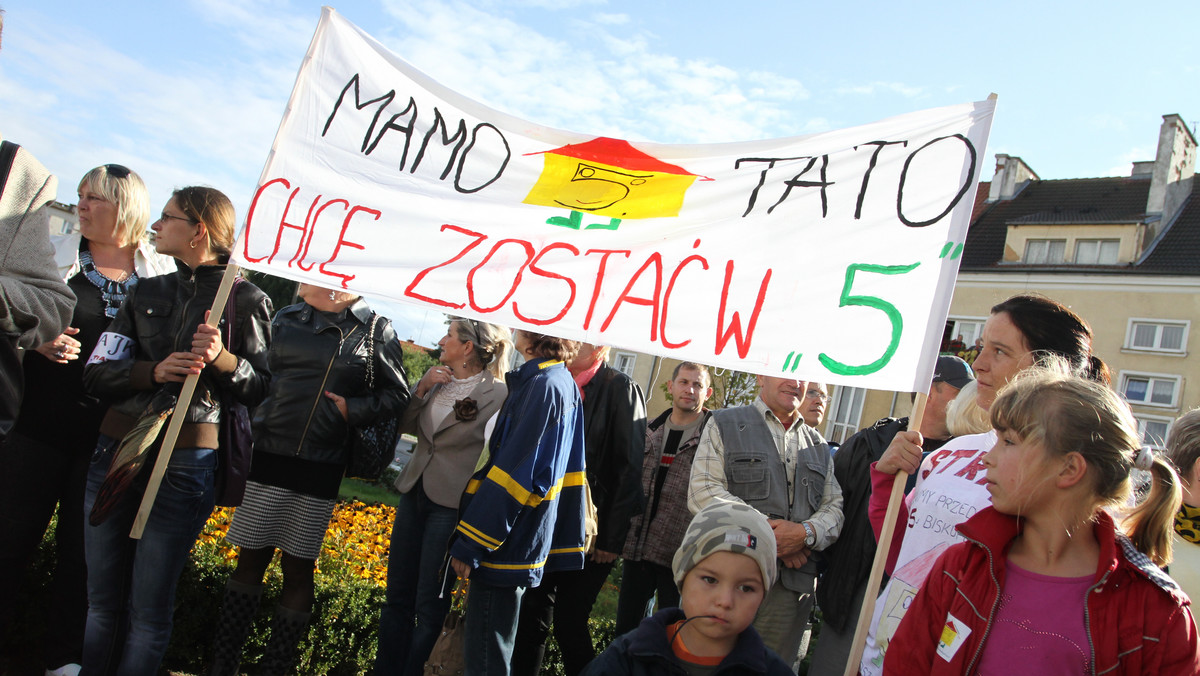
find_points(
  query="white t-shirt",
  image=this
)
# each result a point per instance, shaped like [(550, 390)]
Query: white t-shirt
[(950, 489)]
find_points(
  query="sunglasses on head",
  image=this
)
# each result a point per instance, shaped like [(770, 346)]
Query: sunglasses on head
[(117, 170)]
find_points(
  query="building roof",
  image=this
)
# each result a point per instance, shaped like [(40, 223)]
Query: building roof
[(411, 346), (1177, 251), (1077, 201)]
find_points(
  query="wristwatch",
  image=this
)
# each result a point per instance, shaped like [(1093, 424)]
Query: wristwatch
[(811, 538)]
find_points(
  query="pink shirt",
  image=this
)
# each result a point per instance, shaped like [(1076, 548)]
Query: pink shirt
[(1039, 626)]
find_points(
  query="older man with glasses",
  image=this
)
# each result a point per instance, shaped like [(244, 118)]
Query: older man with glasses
[(816, 400)]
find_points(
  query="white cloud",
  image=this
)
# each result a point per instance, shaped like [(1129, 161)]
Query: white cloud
[(176, 123), (1125, 162), (586, 78), (873, 88)]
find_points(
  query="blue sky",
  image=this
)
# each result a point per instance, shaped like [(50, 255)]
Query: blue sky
[(191, 92)]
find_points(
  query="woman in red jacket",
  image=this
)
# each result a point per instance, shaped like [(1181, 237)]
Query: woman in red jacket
[(1046, 579)]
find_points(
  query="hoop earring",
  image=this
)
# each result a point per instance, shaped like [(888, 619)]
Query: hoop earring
[(192, 244)]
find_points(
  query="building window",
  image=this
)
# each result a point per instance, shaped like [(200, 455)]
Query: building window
[(965, 330), (1045, 251), (960, 336), (844, 412), (1156, 335), (624, 361), (1153, 430), (1151, 389), (1097, 251)]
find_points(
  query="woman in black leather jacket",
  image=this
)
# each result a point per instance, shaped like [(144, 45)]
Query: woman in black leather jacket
[(156, 340), (302, 438)]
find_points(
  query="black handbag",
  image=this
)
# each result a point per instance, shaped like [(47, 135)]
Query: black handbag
[(374, 445), (236, 440)]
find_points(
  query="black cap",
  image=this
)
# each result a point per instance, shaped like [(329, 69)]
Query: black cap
[(953, 370)]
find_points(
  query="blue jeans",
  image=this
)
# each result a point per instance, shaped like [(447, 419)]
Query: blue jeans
[(491, 630), (131, 583), (420, 535)]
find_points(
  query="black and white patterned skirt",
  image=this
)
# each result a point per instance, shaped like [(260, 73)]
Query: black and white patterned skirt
[(277, 517)]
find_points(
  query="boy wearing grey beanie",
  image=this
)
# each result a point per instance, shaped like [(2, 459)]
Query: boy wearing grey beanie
[(723, 567)]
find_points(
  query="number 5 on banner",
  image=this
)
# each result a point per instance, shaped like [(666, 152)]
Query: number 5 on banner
[(883, 306)]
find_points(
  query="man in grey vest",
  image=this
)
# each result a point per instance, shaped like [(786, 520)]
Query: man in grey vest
[(766, 456)]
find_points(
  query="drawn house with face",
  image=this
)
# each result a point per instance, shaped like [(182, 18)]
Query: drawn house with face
[(609, 178)]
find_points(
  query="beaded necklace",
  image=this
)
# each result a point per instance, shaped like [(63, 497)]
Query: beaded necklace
[(113, 291)]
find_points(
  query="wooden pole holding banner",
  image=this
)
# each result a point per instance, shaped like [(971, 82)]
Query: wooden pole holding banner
[(885, 541), (181, 407), (881, 551)]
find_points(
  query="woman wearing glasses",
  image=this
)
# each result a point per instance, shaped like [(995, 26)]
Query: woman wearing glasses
[(453, 404), (157, 339), (46, 459)]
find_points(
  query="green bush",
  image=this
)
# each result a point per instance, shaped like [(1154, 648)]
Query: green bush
[(341, 637)]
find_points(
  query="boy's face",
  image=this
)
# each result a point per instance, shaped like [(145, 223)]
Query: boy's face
[(723, 592)]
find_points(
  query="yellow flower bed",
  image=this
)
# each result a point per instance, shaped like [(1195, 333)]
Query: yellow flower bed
[(356, 541)]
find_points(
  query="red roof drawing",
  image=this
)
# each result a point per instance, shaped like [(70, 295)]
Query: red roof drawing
[(617, 153)]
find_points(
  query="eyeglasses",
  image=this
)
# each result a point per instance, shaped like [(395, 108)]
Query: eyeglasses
[(817, 394), (117, 170), (166, 217)]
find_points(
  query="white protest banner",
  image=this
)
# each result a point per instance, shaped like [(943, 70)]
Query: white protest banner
[(830, 256)]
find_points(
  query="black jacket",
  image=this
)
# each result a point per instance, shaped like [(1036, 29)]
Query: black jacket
[(614, 420), (159, 317), (849, 559), (311, 355), (645, 651)]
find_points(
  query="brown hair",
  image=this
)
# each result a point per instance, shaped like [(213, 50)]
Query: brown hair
[(213, 208), (705, 375), (549, 347), (1183, 442), (1051, 328), (1065, 413)]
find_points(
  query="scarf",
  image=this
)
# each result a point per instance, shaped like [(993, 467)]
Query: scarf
[(1187, 523), (585, 376)]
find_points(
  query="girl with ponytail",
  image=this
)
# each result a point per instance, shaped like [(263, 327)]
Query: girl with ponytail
[(1047, 571)]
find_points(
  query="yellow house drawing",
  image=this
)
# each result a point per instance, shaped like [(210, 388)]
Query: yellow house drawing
[(609, 177)]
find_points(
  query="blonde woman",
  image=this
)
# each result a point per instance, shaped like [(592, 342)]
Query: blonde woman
[(449, 416), (46, 461)]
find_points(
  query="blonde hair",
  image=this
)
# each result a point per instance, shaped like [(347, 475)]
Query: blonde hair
[(1065, 413), (213, 208), (963, 414), (128, 193), (493, 343)]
